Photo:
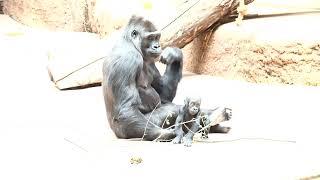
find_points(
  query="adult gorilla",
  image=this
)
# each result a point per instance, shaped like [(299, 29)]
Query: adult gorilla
[(137, 98)]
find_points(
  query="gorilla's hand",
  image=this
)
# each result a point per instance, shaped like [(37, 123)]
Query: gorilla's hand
[(170, 55)]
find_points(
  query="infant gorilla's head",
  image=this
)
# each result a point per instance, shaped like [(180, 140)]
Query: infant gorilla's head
[(193, 104)]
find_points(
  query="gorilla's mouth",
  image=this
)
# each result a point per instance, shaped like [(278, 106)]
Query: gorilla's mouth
[(155, 53), (193, 112)]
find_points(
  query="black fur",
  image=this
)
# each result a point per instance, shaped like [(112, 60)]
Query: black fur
[(190, 111), (167, 85), (137, 98), (133, 87)]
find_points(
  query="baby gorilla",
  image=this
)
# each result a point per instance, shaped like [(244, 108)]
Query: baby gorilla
[(188, 121), (192, 120)]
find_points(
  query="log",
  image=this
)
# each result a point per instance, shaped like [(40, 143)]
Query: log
[(196, 19)]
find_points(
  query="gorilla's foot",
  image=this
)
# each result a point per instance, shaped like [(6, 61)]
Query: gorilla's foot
[(217, 116)]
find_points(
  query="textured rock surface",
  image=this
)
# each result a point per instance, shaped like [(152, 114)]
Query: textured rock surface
[(99, 16), (107, 16), (270, 50), (63, 15), (1, 6)]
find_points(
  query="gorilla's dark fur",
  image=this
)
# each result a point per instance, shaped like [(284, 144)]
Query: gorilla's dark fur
[(137, 98), (190, 115)]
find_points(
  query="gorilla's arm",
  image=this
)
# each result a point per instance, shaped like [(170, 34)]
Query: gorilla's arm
[(167, 84), (123, 85)]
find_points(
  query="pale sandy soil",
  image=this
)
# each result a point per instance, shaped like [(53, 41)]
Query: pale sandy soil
[(50, 134)]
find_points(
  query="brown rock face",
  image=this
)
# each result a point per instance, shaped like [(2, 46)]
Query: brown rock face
[(98, 16), (107, 16), (270, 50), (1, 6), (53, 15)]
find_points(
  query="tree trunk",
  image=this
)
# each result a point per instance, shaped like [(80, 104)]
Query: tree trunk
[(199, 16)]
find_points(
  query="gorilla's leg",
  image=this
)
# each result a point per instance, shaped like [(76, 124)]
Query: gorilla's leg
[(169, 111), (166, 112), (151, 126), (131, 123), (219, 129), (219, 115)]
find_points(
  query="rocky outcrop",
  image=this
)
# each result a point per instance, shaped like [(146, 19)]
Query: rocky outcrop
[(53, 15), (1, 6), (282, 49), (269, 50)]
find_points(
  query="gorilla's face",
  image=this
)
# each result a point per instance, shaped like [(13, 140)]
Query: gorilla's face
[(150, 46), (193, 105)]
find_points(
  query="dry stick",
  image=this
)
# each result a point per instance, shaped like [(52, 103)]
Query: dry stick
[(170, 114), (162, 126), (180, 15), (75, 144), (237, 139), (192, 120), (188, 127), (82, 67), (207, 141), (208, 125), (145, 128), (257, 138), (183, 123)]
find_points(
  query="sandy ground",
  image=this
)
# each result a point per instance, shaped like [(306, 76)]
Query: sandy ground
[(50, 134)]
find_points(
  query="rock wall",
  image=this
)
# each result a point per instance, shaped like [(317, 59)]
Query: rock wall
[(269, 50), (64, 15), (1, 6), (104, 18), (98, 16), (107, 16)]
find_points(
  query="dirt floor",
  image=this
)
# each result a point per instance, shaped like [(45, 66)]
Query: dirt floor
[(50, 134)]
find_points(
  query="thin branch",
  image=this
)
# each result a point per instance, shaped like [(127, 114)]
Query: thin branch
[(75, 145), (78, 69), (145, 128), (180, 15), (208, 125), (192, 120), (189, 128), (169, 114), (174, 126), (238, 139)]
